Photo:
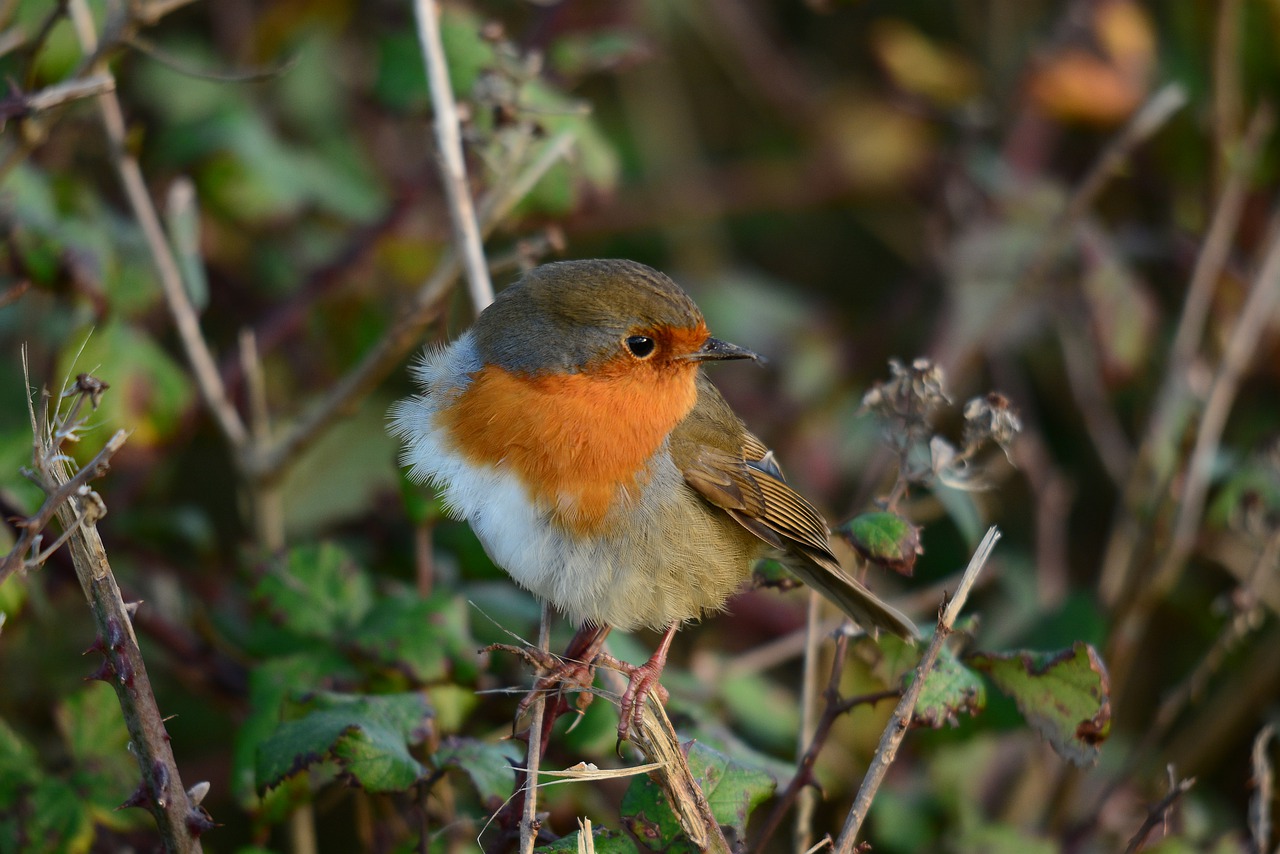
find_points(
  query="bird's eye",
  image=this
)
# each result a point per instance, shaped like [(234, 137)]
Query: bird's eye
[(641, 346)]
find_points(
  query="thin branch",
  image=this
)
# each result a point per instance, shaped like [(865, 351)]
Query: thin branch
[(1144, 484), (1242, 347), (453, 167), (1263, 790), (201, 360), (529, 819), (23, 104), (896, 729), (1157, 814), (806, 798)]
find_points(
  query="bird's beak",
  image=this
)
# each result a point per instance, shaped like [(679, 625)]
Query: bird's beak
[(715, 350)]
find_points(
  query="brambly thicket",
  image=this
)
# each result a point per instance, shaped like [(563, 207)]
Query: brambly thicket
[(1015, 267)]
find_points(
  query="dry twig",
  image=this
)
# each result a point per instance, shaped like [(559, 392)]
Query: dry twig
[(896, 729), (453, 167), (1158, 813)]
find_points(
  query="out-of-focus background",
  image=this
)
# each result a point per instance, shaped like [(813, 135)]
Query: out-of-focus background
[(1073, 203)]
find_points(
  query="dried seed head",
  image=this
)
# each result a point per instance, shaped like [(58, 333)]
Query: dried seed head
[(990, 416)]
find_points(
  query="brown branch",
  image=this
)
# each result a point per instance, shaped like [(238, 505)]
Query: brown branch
[(453, 168), (896, 729), (179, 820), (1158, 813), (831, 712)]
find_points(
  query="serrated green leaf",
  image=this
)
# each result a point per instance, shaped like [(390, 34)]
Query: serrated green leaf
[(269, 685), (369, 736), (427, 639), (488, 765), (1065, 696), (732, 791), (951, 689), (885, 539), (317, 591)]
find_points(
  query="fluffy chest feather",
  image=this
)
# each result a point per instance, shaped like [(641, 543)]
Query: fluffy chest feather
[(570, 486)]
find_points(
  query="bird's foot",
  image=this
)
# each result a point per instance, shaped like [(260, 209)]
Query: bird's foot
[(642, 681), (557, 677)]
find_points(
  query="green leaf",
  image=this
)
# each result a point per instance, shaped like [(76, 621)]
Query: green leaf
[(93, 728), (488, 765), (732, 790), (316, 591), (39, 812), (951, 689), (269, 686), (885, 539), (1065, 696), (369, 737), (427, 639), (603, 841)]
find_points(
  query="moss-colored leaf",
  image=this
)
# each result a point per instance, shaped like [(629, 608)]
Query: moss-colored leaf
[(369, 736), (885, 539), (316, 591), (732, 790), (1065, 695), (487, 764), (951, 689)]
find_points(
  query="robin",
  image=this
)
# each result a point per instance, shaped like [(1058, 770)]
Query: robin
[(573, 428)]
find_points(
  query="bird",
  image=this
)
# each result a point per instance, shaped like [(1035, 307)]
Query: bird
[(573, 427)]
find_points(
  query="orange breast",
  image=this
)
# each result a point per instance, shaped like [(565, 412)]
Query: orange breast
[(579, 442)]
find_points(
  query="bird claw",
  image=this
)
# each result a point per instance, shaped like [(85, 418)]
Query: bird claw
[(642, 681), (557, 677)]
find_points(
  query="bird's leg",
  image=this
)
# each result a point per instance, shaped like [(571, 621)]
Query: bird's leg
[(641, 682), (575, 669)]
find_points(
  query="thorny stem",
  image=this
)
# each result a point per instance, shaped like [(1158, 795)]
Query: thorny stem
[(160, 791)]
